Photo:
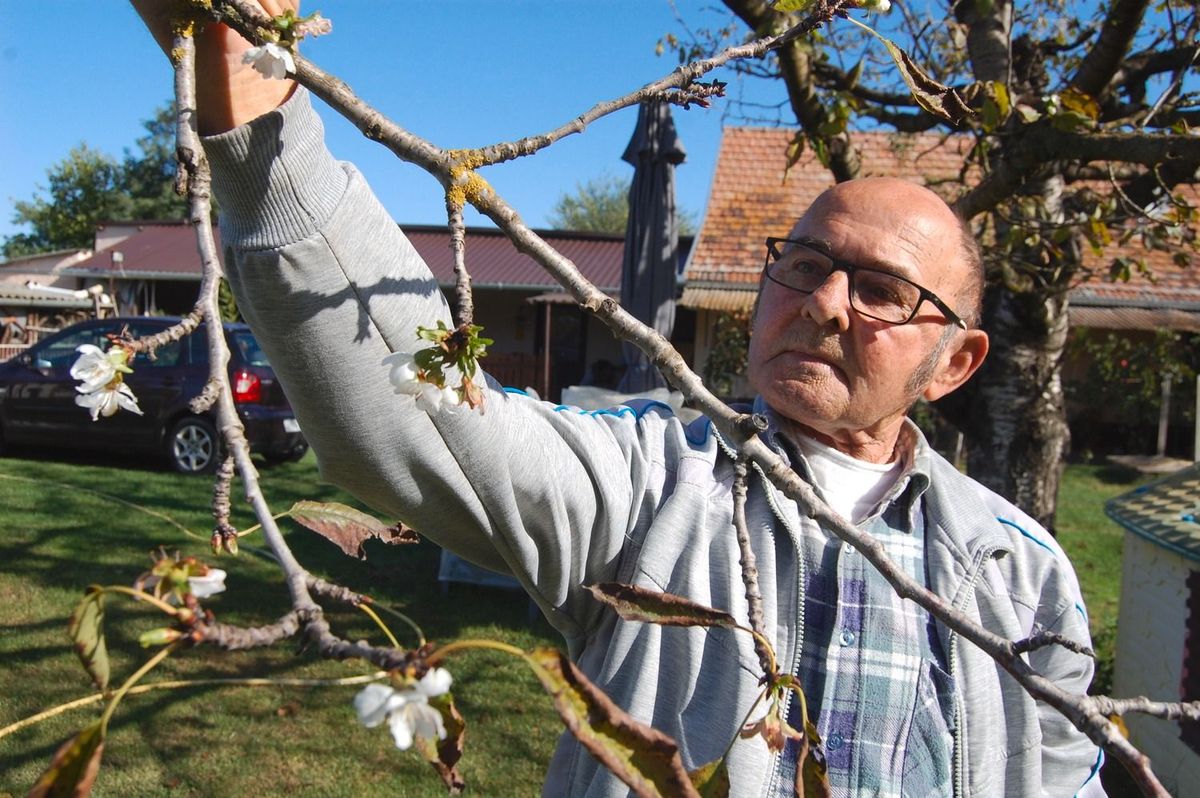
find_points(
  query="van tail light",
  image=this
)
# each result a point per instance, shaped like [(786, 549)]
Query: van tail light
[(247, 387)]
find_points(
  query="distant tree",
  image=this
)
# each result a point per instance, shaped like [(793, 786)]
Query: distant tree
[(89, 186), (148, 177), (601, 205)]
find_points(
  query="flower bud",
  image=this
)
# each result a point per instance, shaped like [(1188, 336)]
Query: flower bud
[(159, 637)]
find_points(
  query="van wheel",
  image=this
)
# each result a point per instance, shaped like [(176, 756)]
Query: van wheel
[(193, 446)]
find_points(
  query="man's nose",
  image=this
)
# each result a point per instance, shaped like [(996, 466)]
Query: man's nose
[(829, 305)]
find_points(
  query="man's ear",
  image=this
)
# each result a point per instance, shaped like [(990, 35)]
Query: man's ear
[(961, 359)]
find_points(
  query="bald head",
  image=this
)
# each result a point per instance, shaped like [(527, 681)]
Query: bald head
[(918, 217)]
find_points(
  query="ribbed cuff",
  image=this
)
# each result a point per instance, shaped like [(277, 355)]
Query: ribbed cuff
[(273, 177)]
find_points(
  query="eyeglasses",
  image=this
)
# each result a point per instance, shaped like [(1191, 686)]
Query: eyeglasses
[(875, 294)]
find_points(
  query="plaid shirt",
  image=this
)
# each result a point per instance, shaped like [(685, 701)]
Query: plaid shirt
[(873, 671)]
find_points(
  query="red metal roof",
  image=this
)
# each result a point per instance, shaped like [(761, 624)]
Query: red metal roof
[(163, 250), (167, 250), (750, 200), (494, 262)]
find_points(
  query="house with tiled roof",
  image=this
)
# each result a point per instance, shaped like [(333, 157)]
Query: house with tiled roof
[(752, 198), (543, 339)]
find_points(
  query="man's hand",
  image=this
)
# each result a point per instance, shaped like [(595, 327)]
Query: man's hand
[(228, 92)]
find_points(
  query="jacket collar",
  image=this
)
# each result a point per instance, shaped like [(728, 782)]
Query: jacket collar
[(958, 525)]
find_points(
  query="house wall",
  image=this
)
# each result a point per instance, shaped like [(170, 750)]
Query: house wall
[(43, 269), (1150, 652)]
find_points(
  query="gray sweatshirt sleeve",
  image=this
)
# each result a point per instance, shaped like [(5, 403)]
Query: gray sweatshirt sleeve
[(331, 286)]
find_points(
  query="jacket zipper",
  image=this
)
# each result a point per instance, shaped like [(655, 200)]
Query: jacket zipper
[(952, 668), (798, 636)]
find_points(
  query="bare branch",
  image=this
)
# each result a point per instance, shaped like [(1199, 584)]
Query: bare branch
[(1042, 638), (464, 305), (1186, 711), (199, 187), (237, 638), (750, 570), (1102, 61), (796, 64)]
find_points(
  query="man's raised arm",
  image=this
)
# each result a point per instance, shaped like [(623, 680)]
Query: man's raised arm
[(331, 287)]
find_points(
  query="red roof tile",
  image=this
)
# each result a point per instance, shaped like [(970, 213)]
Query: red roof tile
[(750, 200)]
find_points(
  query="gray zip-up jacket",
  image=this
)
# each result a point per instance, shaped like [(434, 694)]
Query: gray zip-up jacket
[(562, 499)]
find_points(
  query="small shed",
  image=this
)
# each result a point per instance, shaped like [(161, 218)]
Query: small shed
[(1158, 629)]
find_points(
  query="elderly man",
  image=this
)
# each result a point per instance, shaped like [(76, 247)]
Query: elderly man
[(867, 305)]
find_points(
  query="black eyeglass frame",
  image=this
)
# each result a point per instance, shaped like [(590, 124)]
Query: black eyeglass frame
[(850, 268)]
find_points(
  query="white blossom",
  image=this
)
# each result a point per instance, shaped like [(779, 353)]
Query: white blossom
[(96, 368), (270, 60), (108, 400), (406, 711), (403, 373), (210, 584), (432, 399), (878, 6)]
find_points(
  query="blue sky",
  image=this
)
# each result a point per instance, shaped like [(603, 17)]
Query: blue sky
[(458, 72)]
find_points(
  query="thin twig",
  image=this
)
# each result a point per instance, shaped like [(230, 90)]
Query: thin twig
[(1043, 638), (750, 569), (464, 304), (225, 534)]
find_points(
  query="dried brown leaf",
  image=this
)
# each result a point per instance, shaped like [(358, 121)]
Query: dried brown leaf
[(444, 754), (347, 527), (939, 100), (74, 767), (639, 604), (642, 757)]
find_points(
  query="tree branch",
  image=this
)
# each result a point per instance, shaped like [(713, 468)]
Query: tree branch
[(1102, 61), (796, 69)]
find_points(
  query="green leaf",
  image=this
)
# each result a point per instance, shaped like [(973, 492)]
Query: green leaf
[(639, 604), (642, 757), (347, 527), (1070, 121), (788, 6), (990, 115), (443, 755), (86, 628), (999, 92), (711, 780), (73, 769)]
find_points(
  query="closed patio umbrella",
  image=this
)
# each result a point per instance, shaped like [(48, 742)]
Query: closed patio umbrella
[(648, 276)]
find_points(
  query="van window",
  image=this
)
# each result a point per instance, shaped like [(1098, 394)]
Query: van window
[(247, 344)]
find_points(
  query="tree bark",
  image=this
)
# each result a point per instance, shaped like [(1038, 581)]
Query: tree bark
[(1016, 418)]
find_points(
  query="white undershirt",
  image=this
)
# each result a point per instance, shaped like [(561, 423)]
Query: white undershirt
[(852, 487)]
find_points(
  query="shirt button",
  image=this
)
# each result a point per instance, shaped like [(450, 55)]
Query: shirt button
[(835, 741), (847, 637)]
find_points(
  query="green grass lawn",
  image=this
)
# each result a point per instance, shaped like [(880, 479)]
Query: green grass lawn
[(295, 741), (298, 741)]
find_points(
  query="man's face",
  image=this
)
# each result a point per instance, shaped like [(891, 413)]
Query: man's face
[(818, 362)]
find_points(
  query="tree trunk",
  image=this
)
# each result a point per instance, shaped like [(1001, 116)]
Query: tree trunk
[(1016, 421)]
